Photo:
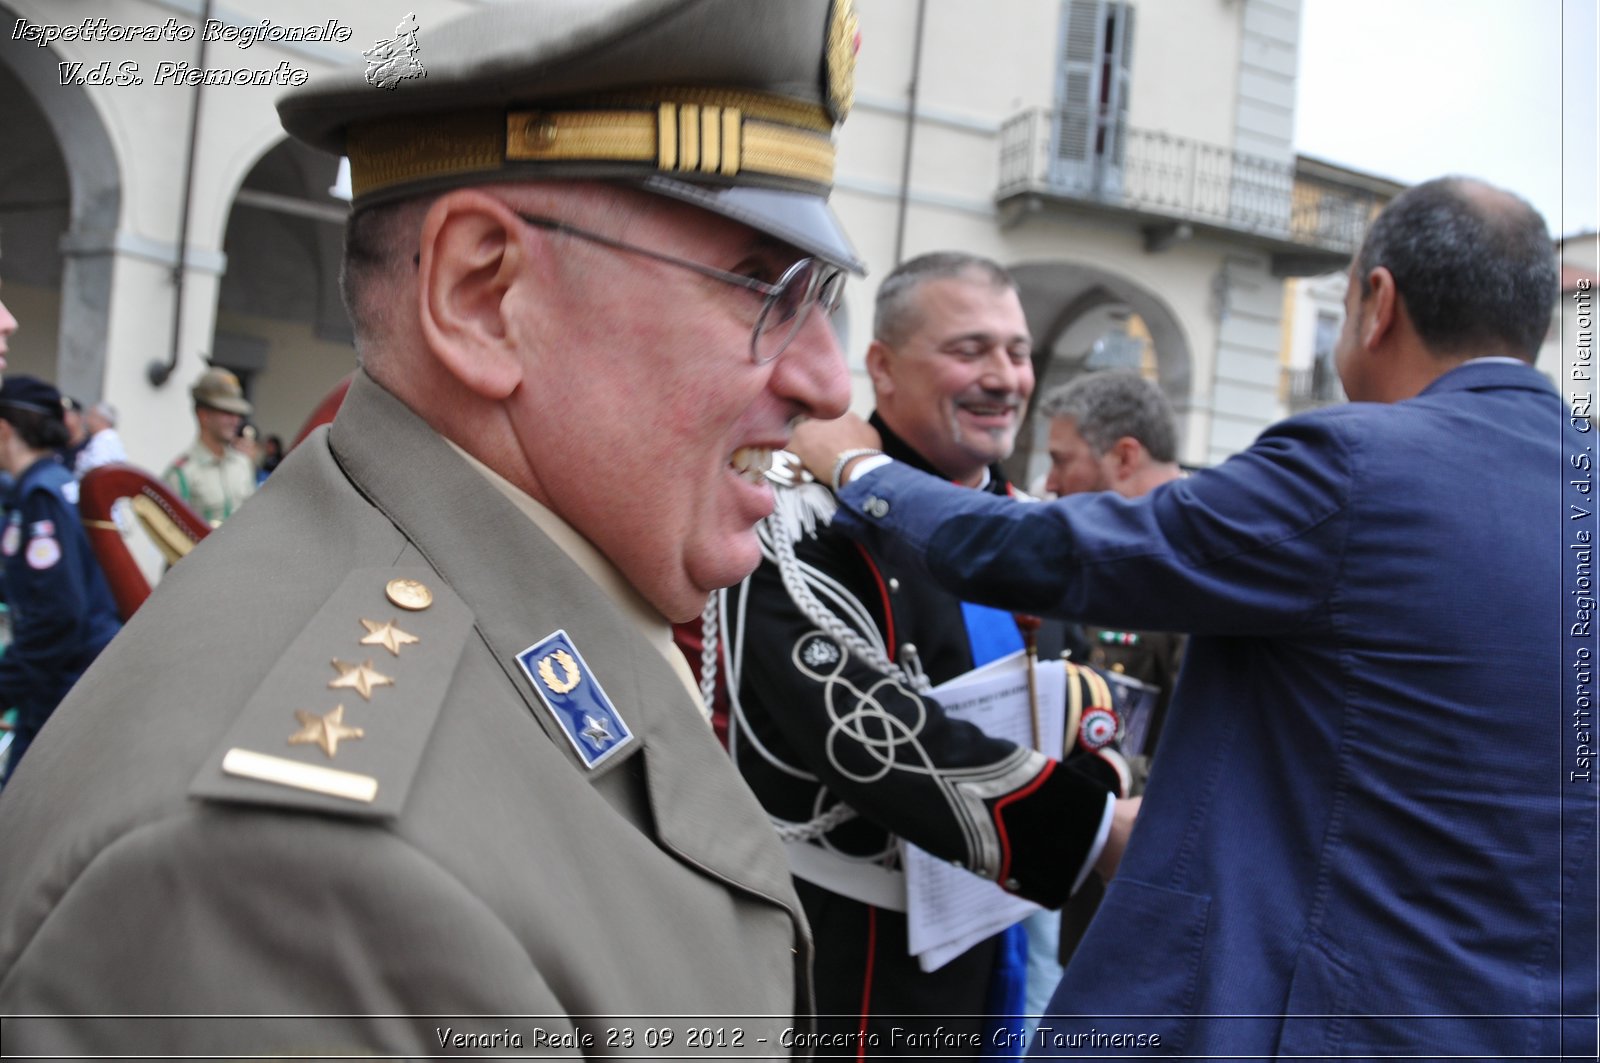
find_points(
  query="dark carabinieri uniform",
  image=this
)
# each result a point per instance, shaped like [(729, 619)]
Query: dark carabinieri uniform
[(815, 725), (62, 614)]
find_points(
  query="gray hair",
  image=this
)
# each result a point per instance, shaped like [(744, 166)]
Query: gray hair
[(1107, 406), (1474, 265), (897, 313), (107, 412)]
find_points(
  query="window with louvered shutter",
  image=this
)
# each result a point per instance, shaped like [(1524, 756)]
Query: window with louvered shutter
[(1092, 96)]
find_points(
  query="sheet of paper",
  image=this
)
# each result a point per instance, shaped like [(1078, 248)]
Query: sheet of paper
[(948, 909)]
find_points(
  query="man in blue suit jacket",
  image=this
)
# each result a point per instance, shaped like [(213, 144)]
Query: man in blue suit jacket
[(1375, 832)]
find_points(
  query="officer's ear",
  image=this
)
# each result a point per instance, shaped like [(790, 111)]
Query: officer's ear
[(471, 261)]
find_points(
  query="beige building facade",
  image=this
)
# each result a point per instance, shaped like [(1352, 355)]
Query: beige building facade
[(1129, 161)]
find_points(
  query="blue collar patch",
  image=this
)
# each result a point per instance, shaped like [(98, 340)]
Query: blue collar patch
[(575, 699)]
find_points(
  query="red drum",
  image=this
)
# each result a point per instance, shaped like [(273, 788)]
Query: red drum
[(165, 517)]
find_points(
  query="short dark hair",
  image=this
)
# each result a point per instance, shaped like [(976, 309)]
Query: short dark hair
[(1107, 406), (897, 314), (40, 431), (1473, 264)]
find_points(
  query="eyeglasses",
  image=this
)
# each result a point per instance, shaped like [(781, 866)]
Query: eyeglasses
[(788, 303)]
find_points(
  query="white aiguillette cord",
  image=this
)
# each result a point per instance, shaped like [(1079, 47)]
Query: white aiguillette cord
[(789, 516)]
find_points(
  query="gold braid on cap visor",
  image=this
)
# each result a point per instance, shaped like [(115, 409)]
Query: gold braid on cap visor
[(687, 131)]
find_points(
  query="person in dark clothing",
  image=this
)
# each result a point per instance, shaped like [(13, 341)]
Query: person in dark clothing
[(832, 656), (61, 608), (77, 431)]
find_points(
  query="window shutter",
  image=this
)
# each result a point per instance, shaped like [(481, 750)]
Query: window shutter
[(1077, 94), (1092, 96), (1120, 63)]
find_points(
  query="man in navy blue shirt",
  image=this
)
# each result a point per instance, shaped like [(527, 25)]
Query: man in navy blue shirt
[(62, 611)]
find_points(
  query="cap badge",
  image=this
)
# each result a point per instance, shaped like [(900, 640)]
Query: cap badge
[(844, 41), (576, 701)]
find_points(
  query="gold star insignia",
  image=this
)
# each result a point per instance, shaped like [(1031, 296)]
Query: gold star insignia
[(387, 635), (359, 677), (324, 731)]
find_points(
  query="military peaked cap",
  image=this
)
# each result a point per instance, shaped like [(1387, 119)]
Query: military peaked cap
[(726, 104)]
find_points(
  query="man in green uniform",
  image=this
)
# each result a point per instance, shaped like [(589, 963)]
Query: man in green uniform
[(437, 779), (212, 476)]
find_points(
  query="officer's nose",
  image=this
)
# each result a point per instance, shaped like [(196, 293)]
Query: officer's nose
[(812, 371)]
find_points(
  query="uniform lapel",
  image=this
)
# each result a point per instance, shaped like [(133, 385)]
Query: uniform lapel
[(521, 587)]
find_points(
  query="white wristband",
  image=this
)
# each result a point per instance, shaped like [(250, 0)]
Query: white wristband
[(846, 458), (866, 465)]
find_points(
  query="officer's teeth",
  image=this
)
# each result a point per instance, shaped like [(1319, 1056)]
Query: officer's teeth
[(752, 463)]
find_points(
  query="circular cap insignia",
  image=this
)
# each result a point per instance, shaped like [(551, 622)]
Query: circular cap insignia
[(1099, 727), (844, 41), (408, 594)]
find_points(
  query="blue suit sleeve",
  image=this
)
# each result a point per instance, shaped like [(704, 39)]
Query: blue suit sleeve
[(1251, 547)]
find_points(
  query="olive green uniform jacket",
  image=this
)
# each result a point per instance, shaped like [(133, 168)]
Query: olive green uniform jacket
[(491, 874)]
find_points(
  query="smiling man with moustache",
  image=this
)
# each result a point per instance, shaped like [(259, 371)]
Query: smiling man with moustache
[(848, 753)]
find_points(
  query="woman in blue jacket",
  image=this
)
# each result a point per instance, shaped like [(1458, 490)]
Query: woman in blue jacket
[(61, 608)]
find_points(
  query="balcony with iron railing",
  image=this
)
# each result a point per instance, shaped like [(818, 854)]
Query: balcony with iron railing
[(1313, 386), (1174, 186)]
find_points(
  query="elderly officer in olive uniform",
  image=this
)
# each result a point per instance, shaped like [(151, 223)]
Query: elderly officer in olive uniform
[(444, 760), (212, 476)]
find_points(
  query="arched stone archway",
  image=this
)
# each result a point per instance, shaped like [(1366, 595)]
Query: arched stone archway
[(1068, 306), (280, 323), (65, 244)]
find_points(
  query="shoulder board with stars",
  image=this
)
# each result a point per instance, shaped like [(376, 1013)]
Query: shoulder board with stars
[(341, 721)]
